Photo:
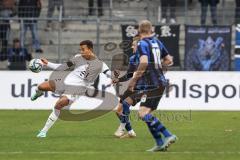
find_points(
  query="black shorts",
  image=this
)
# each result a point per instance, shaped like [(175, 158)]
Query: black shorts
[(149, 98), (152, 97), (133, 95), (151, 102)]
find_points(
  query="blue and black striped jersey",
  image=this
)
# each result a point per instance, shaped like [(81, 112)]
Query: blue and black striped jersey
[(155, 51)]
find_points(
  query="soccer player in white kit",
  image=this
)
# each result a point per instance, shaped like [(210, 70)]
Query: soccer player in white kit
[(86, 68)]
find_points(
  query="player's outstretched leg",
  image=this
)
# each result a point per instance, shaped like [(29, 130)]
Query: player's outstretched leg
[(45, 86), (62, 102)]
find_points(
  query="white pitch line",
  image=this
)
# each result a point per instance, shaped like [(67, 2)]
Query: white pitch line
[(84, 152)]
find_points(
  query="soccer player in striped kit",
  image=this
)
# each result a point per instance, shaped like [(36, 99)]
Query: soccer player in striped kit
[(151, 83)]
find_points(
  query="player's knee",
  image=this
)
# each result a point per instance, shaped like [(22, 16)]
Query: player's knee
[(47, 86), (144, 112), (61, 103), (41, 87), (58, 106), (118, 112), (141, 114), (119, 109)]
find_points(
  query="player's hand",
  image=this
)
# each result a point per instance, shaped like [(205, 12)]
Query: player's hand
[(115, 81), (116, 73), (167, 61), (44, 61)]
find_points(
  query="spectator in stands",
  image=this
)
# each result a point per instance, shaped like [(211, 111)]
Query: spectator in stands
[(7, 8), (171, 5), (51, 7), (91, 8), (17, 56), (30, 9), (237, 12), (213, 8)]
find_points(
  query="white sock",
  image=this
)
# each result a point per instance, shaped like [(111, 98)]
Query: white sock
[(131, 132), (122, 125), (51, 120)]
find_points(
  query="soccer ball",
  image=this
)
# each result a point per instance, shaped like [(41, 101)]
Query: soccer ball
[(35, 65)]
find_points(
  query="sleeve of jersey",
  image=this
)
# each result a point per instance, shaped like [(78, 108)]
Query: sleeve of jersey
[(60, 67), (164, 51), (53, 66), (106, 70), (143, 48)]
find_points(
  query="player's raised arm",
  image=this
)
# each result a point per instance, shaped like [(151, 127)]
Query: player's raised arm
[(49, 64), (57, 66)]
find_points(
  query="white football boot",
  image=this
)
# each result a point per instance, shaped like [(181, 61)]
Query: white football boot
[(120, 131), (129, 134)]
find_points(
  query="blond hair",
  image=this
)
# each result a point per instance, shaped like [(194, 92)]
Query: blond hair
[(145, 27)]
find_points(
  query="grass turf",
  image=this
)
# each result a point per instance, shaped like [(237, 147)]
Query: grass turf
[(202, 135)]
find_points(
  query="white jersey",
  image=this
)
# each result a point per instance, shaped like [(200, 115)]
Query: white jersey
[(79, 76), (84, 72)]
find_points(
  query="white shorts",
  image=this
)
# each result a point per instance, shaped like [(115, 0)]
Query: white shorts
[(73, 97)]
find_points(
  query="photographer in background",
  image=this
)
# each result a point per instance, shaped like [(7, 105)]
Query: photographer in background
[(17, 56)]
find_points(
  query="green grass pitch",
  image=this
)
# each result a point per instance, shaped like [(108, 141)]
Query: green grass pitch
[(202, 136)]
